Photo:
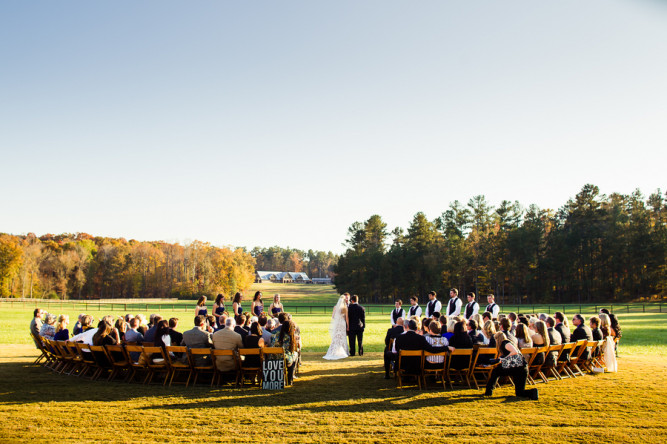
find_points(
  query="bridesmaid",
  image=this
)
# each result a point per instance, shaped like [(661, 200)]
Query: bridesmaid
[(236, 305), (219, 308), (257, 304), (200, 310), (277, 306)]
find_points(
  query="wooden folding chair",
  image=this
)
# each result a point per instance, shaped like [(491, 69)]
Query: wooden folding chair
[(87, 359), (156, 362), (535, 369), (411, 355), (40, 347), (137, 366), (254, 370), (201, 368), (460, 370), (579, 349), (101, 359), (483, 368), (529, 355), (54, 359), (273, 353), (593, 352), (76, 360), (66, 355), (176, 355), (119, 361), (218, 372), (563, 361), (438, 369)]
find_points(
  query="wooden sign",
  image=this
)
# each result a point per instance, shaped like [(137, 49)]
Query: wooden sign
[(273, 372)]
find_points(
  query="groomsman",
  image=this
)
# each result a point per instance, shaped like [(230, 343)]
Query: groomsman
[(398, 312), (492, 308), (415, 309), (433, 305), (454, 306), (472, 308)]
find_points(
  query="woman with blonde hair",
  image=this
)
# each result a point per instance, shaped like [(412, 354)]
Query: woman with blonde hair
[(512, 364), (523, 336), (605, 326), (62, 333), (276, 307), (489, 330), (540, 339)]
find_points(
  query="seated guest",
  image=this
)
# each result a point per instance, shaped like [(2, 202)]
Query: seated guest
[(506, 328), (540, 339), (555, 337), (132, 334), (240, 321), (389, 355), (267, 325), (176, 337), (62, 333), (48, 329), (103, 336), (518, 374), (162, 338), (513, 322), (149, 336), (36, 323), (594, 324), (489, 331), (605, 326), (198, 338), (211, 323), (227, 339), (121, 328), (460, 340), (253, 340), (476, 335), (478, 318), (523, 336), (287, 340), (436, 340), (435, 316), (77, 326), (542, 317), (424, 327), (486, 316), (410, 340), (562, 327), (580, 332), (143, 327), (443, 321), (450, 329)]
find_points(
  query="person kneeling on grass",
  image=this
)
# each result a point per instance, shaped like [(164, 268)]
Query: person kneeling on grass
[(512, 364)]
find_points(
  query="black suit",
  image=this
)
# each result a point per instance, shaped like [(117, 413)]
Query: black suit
[(356, 316), (565, 338), (392, 333), (242, 331), (579, 333), (597, 334), (412, 341)]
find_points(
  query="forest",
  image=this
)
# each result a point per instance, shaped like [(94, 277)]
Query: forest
[(594, 248), (80, 266)]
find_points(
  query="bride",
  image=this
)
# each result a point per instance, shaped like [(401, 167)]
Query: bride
[(338, 331)]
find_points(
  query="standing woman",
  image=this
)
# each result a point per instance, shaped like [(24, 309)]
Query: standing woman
[(276, 307), (513, 365), (236, 305), (200, 310), (219, 308), (287, 340), (257, 304)]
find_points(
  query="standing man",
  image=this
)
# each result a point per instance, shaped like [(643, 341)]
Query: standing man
[(398, 312), (356, 324), (433, 305), (454, 306), (415, 309), (492, 308), (472, 308)]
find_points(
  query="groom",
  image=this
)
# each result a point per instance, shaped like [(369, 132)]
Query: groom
[(356, 323)]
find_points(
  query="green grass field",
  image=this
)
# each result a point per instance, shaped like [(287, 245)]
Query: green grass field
[(341, 401)]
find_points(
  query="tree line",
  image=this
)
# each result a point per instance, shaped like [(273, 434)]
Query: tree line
[(594, 248), (82, 266)]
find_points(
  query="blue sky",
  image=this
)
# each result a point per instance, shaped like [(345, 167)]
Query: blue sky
[(281, 123)]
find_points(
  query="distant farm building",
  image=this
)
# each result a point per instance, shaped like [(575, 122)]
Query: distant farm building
[(282, 277)]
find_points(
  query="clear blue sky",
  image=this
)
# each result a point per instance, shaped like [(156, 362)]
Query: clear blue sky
[(281, 123)]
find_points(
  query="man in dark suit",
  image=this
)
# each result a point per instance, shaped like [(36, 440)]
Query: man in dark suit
[(413, 341), (581, 332), (564, 331), (389, 356), (176, 337), (554, 336), (356, 316)]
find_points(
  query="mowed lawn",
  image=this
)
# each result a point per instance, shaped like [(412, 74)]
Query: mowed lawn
[(341, 401)]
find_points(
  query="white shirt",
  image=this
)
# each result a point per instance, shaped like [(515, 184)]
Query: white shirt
[(417, 310), (457, 307), (86, 337), (475, 309), (401, 314), (495, 311), (438, 308)]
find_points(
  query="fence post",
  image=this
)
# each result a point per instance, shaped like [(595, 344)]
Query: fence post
[(643, 308), (627, 308)]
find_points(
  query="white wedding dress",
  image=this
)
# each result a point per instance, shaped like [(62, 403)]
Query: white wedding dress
[(338, 331)]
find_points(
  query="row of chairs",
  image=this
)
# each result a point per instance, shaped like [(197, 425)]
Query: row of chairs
[(469, 364), (132, 361)]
